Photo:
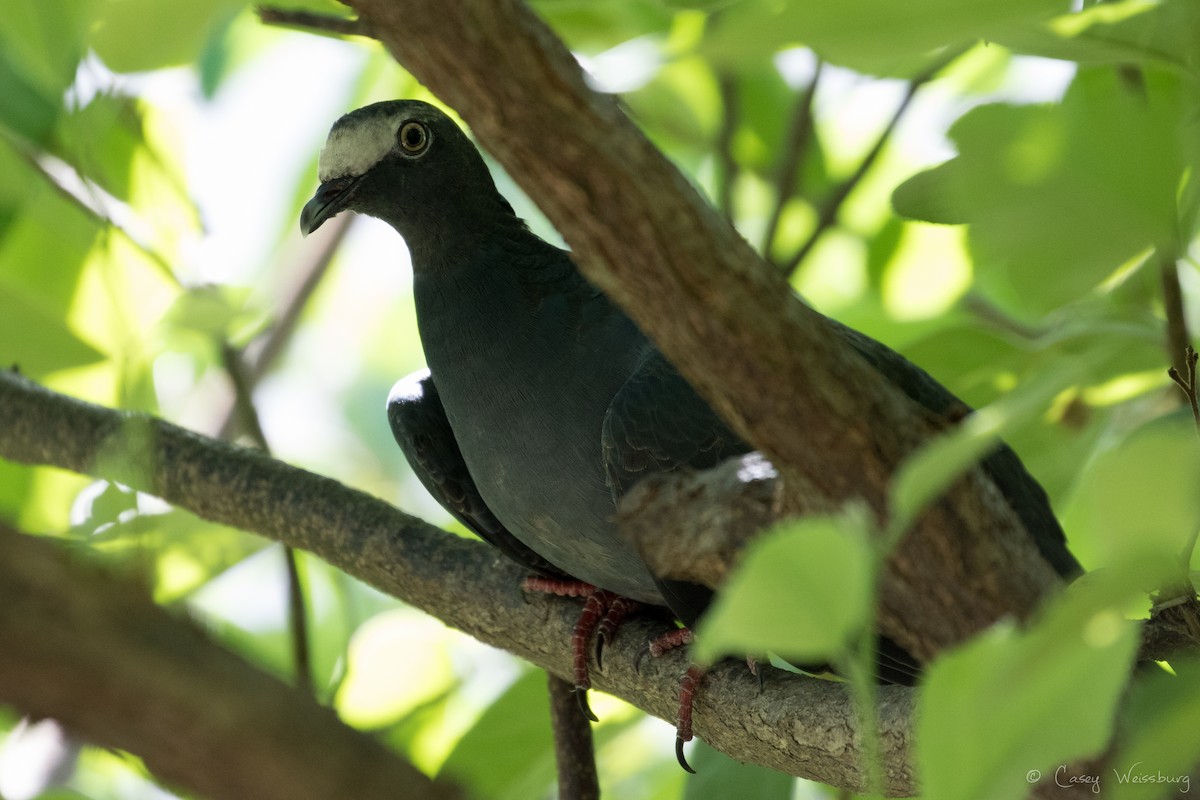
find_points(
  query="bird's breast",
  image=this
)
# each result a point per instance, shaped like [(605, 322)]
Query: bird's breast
[(525, 388)]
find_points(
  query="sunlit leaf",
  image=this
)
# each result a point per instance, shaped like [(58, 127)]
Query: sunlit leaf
[(180, 30), (876, 36), (1158, 747), (101, 139), (1008, 707), (1140, 494), (54, 346), (1060, 196), (1126, 32), (24, 109), (44, 41), (802, 590)]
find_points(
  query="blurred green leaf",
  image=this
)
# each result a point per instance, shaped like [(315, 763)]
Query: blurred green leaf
[(802, 590), (1060, 196), (591, 26), (101, 139), (1011, 703), (45, 230), (36, 342), (24, 109), (1122, 33), (719, 776), (44, 41), (1140, 494), (180, 31), (216, 312), (874, 36), (518, 725), (1159, 736)]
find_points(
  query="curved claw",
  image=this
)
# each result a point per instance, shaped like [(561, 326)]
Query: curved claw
[(581, 698), (639, 658), (601, 640), (680, 757)]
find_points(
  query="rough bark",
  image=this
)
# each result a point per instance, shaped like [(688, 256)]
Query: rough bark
[(801, 726), (769, 364), (100, 657)]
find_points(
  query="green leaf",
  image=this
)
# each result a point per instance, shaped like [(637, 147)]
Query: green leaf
[(37, 342), (24, 108), (1159, 747), (1060, 196), (1127, 32), (1139, 496), (802, 590), (101, 139), (719, 776), (180, 31), (517, 725), (215, 312), (44, 41), (936, 195), (1010, 706), (874, 36)]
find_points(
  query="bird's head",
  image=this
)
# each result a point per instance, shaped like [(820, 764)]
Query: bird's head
[(407, 163)]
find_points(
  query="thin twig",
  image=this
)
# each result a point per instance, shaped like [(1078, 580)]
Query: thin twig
[(1178, 338), (312, 21), (297, 608), (1188, 384), (833, 204), (727, 165), (260, 355), (573, 749), (788, 178)]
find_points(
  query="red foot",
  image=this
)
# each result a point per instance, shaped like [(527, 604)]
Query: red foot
[(683, 723), (670, 640), (620, 608), (556, 586)]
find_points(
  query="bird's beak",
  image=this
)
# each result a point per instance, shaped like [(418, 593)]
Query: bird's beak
[(331, 197)]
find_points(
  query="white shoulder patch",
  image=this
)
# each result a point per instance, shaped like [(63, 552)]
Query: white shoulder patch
[(351, 150)]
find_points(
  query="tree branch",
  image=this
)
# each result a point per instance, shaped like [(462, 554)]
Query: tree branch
[(727, 165), (787, 179), (1178, 340), (832, 206), (801, 726), (574, 753), (714, 514), (776, 370), (100, 657), (243, 408), (312, 21)]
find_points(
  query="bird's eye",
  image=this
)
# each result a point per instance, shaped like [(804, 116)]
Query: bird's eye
[(413, 138)]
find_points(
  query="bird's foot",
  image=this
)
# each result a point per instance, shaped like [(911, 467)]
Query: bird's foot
[(559, 587), (603, 612), (595, 609), (665, 643), (658, 646), (683, 720), (606, 631)]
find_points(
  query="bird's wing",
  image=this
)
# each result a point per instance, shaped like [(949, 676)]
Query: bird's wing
[(420, 426), (1024, 494), (657, 423)]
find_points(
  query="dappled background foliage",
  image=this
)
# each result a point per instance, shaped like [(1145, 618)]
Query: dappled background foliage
[(1005, 192)]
